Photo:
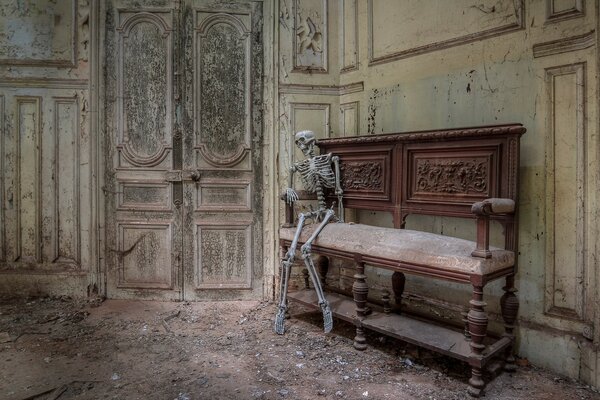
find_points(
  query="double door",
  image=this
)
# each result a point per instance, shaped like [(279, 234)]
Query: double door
[(183, 135)]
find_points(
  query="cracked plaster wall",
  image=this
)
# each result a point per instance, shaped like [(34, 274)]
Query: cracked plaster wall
[(419, 65)]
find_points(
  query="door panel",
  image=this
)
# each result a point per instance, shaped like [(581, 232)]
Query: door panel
[(184, 87), (222, 137), (144, 227)]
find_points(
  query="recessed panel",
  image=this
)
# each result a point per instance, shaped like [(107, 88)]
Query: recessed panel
[(66, 123), (145, 256), (405, 28), (144, 196), (311, 33), (40, 32), (459, 177), (223, 89), (366, 176), (29, 140), (144, 85), (566, 192), (224, 257), (224, 196)]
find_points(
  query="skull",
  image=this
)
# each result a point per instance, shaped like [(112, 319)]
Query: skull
[(305, 140)]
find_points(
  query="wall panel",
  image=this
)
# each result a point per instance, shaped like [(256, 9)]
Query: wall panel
[(310, 42), (45, 36), (565, 191), (2, 178), (349, 119), (28, 189), (308, 116), (398, 30), (558, 10), (67, 178), (349, 35)]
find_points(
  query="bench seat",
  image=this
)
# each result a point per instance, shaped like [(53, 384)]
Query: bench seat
[(403, 248)]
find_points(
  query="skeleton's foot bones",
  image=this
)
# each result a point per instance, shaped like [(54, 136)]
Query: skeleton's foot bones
[(279, 320)]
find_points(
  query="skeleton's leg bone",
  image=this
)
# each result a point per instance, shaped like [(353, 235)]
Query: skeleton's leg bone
[(327, 316), (307, 246), (306, 255), (286, 270)]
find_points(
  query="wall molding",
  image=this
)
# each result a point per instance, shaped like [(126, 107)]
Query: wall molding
[(58, 257), (325, 108), (353, 64), (324, 42), (35, 141), (44, 83), (564, 45), (350, 107), (2, 156), (550, 306), (324, 90), (444, 44), (578, 10)]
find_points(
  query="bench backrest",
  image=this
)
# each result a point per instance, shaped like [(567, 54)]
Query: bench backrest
[(440, 172)]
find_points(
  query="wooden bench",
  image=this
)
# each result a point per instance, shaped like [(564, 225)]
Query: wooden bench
[(469, 173)]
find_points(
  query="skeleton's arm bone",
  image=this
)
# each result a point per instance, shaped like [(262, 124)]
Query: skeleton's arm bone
[(338, 184), (290, 196), (338, 187)]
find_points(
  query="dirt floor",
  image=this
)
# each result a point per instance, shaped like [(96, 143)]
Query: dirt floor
[(63, 349)]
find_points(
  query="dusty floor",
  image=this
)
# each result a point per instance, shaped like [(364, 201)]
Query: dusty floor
[(63, 349)]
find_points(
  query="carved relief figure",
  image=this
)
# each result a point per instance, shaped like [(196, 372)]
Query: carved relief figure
[(317, 174)]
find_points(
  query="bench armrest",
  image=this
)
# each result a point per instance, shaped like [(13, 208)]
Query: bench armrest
[(494, 206), (483, 209)]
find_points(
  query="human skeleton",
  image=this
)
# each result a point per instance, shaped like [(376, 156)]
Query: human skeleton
[(317, 174)]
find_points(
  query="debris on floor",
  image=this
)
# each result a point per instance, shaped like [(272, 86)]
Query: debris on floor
[(63, 349)]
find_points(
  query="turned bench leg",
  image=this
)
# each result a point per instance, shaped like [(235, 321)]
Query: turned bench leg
[(509, 304), (323, 268), (478, 322), (360, 290), (398, 282)]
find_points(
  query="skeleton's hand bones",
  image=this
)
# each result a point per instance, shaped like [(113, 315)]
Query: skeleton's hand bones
[(289, 196)]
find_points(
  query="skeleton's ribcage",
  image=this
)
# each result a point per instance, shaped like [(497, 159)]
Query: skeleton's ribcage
[(317, 171)]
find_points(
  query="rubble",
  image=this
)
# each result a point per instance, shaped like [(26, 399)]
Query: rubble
[(122, 350)]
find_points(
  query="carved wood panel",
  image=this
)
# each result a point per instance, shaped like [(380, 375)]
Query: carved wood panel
[(144, 88), (143, 204), (146, 250), (145, 196), (222, 143), (311, 35), (222, 195), (451, 176), (185, 172), (224, 256), (222, 85)]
